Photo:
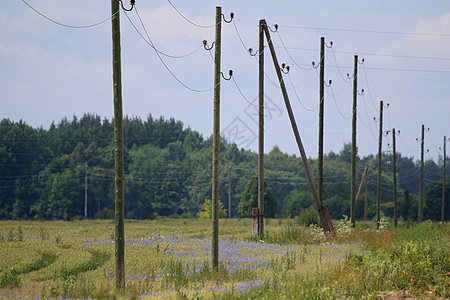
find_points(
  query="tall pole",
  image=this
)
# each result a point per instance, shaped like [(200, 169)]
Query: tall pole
[(353, 160), (321, 112), (394, 169), (443, 185), (420, 207), (380, 138), (86, 192), (324, 215), (261, 132), (216, 143), (119, 149)]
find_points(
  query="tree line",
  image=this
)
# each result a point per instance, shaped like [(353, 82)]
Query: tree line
[(168, 173)]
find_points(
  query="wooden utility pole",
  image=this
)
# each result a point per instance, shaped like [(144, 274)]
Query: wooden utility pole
[(229, 191), (119, 148), (353, 160), (443, 185), (261, 133), (420, 207), (321, 112), (394, 170), (86, 192), (216, 143), (324, 215), (380, 143), (365, 199)]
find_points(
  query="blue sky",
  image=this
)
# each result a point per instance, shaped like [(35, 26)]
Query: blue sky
[(49, 72)]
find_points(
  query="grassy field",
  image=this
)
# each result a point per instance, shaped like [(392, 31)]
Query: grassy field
[(170, 259)]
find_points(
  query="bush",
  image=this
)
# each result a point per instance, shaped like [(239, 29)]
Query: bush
[(308, 217)]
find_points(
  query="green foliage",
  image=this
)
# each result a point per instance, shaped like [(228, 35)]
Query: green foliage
[(206, 212), (249, 199), (9, 278), (168, 173), (308, 217)]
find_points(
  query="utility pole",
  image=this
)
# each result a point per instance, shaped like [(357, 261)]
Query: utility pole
[(380, 138), (420, 208), (321, 112), (261, 133), (443, 185), (365, 199), (216, 143), (86, 192), (229, 191), (119, 148), (353, 161), (394, 170), (324, 215)]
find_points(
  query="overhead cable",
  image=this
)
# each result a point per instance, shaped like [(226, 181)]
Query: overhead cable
[(66, 25)]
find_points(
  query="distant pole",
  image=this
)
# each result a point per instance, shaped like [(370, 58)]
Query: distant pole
[(394, 169), (86, 192), (324, 215), (365, 199), (321, 112), (216, 143), (119, 149), (380, 138), (353, 160), (420, 206), (229, 191), (443, 185), (261, 132)]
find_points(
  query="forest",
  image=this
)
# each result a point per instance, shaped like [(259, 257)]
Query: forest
[(49, 174)]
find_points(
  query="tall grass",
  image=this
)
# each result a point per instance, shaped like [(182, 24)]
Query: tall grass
[(170, 259)]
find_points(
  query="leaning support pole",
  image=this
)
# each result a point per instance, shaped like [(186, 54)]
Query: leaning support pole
[(118, 149), (324, 215)]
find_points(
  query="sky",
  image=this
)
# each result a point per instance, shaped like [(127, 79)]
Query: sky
[(49, 71)]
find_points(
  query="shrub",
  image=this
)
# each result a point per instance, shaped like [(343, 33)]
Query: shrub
[(308, 217)]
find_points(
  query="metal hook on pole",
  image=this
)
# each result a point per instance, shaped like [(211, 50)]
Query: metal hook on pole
[(276, 28), (205, 45), (285, 68), (231, 18), (250, 50), (132, 3), (230, 74)]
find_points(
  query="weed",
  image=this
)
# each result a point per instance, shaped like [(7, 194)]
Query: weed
[(9, 278)]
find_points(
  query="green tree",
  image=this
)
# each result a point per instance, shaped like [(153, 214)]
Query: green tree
[(249, 199), (206, 212), (295, 202), (433, 201)]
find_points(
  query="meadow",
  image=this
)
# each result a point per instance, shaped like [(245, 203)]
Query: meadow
[(170, 259)]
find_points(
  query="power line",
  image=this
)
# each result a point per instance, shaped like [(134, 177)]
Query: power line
[(372, 54), (367, 31), (337, 106), (298, 98), (284, 46), (368, 87), (162, 61), (66, 25), (189, 21), (160, 52)]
